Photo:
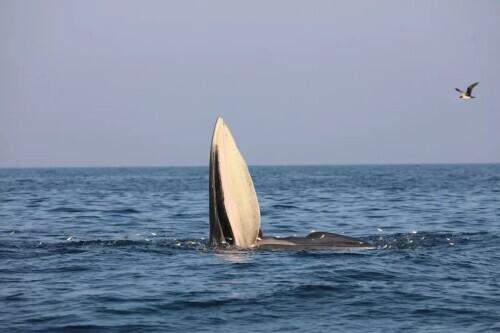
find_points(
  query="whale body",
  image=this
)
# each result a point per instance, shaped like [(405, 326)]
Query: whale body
[(234, 206)]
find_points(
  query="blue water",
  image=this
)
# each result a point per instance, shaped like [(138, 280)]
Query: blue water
[(124, 250)]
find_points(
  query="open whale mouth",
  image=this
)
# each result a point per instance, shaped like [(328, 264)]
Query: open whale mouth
[(234, 209)]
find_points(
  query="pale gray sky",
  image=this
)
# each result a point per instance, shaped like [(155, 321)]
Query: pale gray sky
[(117, 83)]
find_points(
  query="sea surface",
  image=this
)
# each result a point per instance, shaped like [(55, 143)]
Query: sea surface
[(125, 250)]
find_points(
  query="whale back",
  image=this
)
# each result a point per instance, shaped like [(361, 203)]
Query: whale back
[(234, 208)]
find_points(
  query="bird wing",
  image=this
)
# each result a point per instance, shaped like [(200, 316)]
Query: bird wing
[(460, 91), (469, 88)]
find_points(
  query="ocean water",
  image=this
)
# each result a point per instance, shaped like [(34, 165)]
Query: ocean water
[(124, 250)]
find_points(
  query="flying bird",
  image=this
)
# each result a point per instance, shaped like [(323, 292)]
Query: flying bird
[(467, 94)]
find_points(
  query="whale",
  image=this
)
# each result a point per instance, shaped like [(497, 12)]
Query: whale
[(235, 220)]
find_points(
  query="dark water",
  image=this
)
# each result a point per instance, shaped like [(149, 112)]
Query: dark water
[(124, 250)]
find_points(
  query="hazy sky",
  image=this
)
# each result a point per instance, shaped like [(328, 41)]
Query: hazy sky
[(117, 83)]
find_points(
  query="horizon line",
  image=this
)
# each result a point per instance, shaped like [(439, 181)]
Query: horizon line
[(250, 165)]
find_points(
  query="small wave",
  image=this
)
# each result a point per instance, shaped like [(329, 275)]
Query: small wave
[(414, 240), (25, 181), (199, 304), (62, 269), (19, 296), (123, 211), (185, 215), (38, 200), (310, 291), (373, 216), (316, 288), (186, 244), (100, 328), (31, 249), (216, 303), (284, 206), (68, 210)]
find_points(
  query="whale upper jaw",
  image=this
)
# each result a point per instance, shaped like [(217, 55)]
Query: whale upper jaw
[(234, 207)]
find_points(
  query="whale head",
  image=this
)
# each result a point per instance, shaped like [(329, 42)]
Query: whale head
[(234, 208)]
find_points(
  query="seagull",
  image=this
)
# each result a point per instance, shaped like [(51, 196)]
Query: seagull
[(467, 94)]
